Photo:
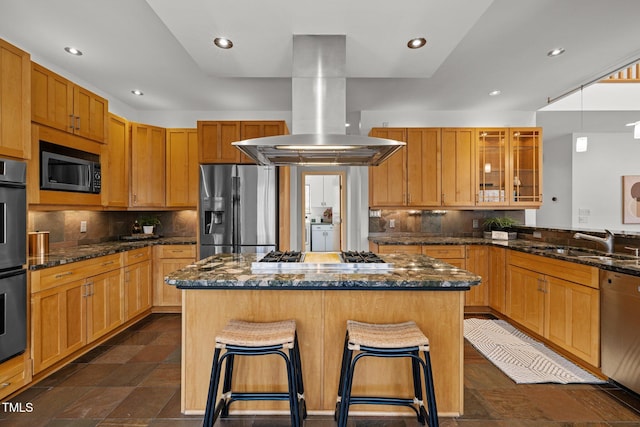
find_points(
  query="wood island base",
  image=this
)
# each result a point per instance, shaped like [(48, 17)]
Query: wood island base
[(321, 316)]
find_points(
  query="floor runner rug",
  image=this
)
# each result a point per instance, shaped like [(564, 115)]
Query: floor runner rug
[(520, 357)]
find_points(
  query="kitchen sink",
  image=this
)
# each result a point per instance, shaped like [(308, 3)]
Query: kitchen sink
[(587, 255)]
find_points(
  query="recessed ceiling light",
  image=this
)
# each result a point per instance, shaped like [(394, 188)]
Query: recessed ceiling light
[(494, 93), (416, 43), (556, 52), (223, 43), (137, 92), (73, 51)]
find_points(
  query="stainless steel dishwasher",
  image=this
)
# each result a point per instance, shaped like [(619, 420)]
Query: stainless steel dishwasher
[(619, 328)]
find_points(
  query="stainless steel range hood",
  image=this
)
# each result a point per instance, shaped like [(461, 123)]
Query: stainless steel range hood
[(319, 114)]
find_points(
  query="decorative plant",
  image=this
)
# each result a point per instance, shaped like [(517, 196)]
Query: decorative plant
[(499, 223), (149, 220)]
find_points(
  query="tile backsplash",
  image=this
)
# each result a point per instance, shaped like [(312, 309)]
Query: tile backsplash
[(64, 226), (436, 222)]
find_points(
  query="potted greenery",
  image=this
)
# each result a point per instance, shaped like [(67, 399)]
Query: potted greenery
[(148, 223), (499, 223)]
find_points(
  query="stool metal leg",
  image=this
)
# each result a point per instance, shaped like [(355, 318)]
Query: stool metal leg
[(209, 415), (343, 369), (299, 382), (226, 387), (431, 395), (417, 386)]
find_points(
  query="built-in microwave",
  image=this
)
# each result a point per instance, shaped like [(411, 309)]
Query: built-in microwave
[(67, 169)]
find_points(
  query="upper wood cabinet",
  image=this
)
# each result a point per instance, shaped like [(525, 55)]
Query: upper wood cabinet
[(526, 167), (147, 166), (215, 138), (387, 181), (116, 163), (458, 167), (15, 102), (182, 168), (61, 104)]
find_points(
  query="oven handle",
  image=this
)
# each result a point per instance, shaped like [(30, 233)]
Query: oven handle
[(11, 273)]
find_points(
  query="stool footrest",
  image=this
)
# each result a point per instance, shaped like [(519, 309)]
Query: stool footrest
[(258, 396), (371, 400)]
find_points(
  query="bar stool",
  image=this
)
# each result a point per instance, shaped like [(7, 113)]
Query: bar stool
[(387, 340), (240, 338)]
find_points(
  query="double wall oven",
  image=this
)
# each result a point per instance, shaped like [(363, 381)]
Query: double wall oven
[(13, 251)]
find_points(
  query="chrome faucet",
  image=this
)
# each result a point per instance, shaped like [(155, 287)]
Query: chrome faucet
[(607, 241)]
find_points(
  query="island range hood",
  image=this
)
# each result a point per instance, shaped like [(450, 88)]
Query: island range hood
[(318, 114)]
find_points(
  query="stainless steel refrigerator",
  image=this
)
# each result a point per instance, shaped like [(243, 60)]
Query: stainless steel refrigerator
[(238, 209)]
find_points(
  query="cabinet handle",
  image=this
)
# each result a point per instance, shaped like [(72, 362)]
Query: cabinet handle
[(71, 124), (66, 273), (104, 264), (409, 198), (77, 122), (5, 385), (138, 255)]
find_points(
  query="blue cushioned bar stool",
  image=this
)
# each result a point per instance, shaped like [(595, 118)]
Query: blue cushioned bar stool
[(387, 340), (240, 338)]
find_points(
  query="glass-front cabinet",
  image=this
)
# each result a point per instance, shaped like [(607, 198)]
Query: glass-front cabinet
[(492, 161), (526, 167)]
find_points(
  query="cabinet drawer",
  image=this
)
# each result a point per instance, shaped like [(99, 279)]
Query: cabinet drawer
[(62, 274), (137, 255), (12, 376), (444, 251), (399, 249), (176, 251), (567, 270)]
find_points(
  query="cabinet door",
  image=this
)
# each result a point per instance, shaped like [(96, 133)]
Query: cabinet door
[(91, 112), (15, 92), (164, 294), (259, 129), (214, 142), (331, 192), (147, 165), (526, 167), (182, 167), (399, 249), (387, 181), (315, 190), (497, 278), (458, 167), (573, 318), (525, 298), (116, 163), (58, 323), (491, 161), (51, 99), (137, 288), (423, 167), (104, 307), (477, 263)]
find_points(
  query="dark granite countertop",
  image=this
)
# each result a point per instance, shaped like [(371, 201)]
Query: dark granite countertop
[(621, 263), (409, 272), (79, 253)]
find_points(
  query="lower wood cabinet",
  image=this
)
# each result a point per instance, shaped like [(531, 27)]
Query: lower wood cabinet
[(167, 259), (14, 373), (104, 307), (478, 263), (137, 282), (564, 310), (497, 278)]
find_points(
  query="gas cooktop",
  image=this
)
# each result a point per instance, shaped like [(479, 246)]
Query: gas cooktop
[(341, 262)]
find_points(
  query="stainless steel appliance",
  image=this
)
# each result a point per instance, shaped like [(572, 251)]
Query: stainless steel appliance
[(13, 253), (295, 262), (68, 169), (238, 209), (619, 332)]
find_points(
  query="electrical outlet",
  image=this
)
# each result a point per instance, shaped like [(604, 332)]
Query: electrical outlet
[(83, 226), (392, 223), (475, 223)]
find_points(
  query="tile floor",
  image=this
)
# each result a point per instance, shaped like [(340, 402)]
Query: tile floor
[(134, 380)]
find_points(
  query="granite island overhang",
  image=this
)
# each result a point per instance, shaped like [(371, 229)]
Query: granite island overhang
[(417, 287)]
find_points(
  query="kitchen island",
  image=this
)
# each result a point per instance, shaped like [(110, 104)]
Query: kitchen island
[(417, 287)]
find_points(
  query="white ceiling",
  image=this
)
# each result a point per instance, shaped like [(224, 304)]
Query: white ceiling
[(163, 47)]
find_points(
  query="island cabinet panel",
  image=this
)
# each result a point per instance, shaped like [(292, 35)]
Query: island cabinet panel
[(15, 102), (321, 318), (387, 181), (559, 300)]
